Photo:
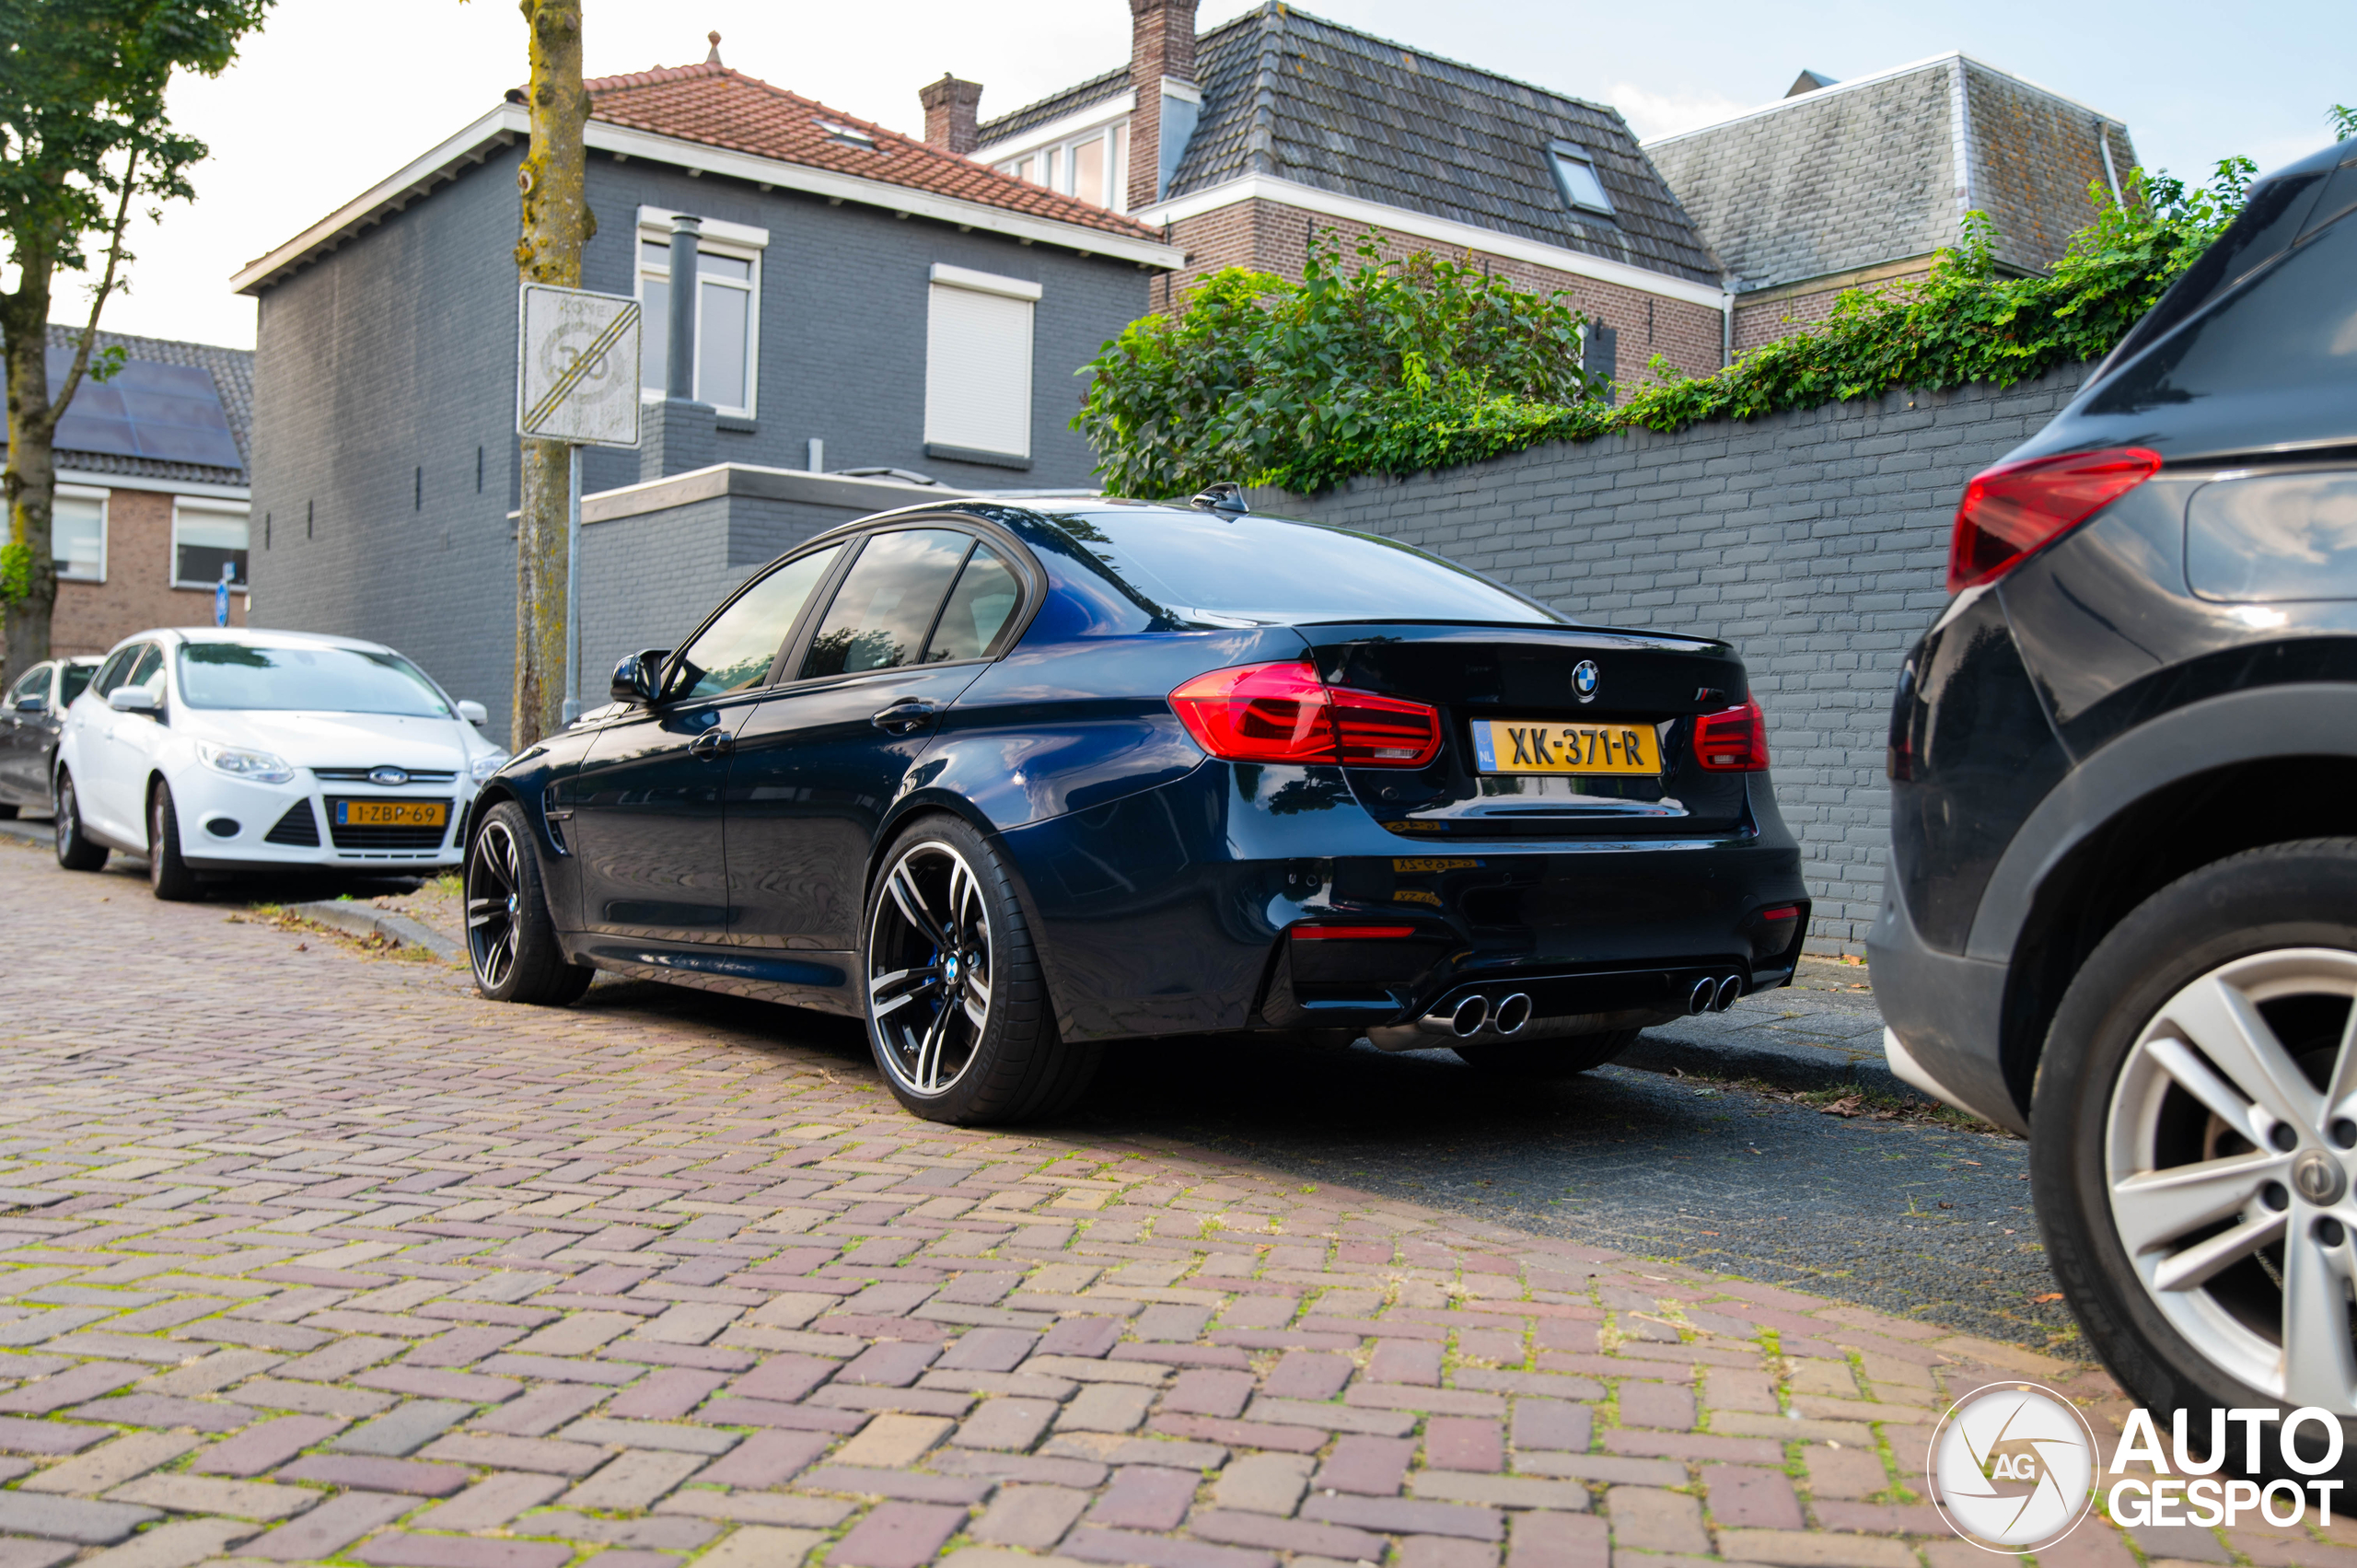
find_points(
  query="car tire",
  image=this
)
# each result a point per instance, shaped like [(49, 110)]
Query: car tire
[(511, 940), (169, 876), (7, 813), (958, 1017), (2268, 935), (77, 850), (1566, 1056)]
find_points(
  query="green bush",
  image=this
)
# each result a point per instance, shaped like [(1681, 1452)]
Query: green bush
[(1397, 367)]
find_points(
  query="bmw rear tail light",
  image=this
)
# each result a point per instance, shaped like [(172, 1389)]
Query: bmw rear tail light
[(2015, 508), (1284, 712), (1733, 740)]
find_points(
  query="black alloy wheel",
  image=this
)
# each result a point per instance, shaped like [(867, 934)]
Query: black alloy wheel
[(77, 850), (957, 1012), (2194, 1134), (169, 876), (511, 941)]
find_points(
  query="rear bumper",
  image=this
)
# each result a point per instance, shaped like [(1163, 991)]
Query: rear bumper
[(1945, 1015), (1165, 912)]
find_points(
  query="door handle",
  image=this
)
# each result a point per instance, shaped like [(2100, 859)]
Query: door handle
[(908, 714), (711, 743)]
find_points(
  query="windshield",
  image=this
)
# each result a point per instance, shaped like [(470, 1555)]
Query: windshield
[(1268, 569), (342, 681)]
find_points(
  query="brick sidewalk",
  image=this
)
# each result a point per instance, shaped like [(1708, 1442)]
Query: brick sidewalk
[(316, 1256)]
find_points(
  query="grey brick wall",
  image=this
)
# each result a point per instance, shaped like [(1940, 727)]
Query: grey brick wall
[(1816, 542)]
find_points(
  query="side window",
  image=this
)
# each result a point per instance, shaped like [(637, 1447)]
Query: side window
[(148, 671), (71, 679), (885, 608), (735, 651), (118, 665), (33, 685), (979, 608)]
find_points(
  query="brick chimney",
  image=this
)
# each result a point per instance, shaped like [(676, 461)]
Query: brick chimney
[(1162, 73), (952, 113)]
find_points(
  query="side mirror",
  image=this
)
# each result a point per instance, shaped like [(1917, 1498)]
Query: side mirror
[(638, 679), (474, 713), (132, 700), (32, 704)]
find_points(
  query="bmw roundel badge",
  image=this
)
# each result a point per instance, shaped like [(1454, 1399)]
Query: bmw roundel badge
[(1584, 680)]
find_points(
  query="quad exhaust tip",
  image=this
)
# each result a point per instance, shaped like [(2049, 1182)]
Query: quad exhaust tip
[(1730, 989), (1511, 1014), (1469, 1017), (1706, 995)]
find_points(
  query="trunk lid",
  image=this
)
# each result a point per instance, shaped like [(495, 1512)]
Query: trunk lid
[(1528, 677)]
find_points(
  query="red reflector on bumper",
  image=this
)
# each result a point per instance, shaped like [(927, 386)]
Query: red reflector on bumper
[(1351, 933), (1781, 911)]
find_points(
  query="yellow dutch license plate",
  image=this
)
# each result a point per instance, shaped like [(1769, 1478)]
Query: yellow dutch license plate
[(391, 813), (1510, 746)]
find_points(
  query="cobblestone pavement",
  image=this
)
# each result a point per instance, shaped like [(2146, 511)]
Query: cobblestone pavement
[(312, 1256)]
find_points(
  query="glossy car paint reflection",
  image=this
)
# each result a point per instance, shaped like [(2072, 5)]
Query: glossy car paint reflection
[(646, 824)]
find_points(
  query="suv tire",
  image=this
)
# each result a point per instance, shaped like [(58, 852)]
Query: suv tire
[(959, 1017), (77, 850), (167, 874), (511, 940), (2268, 935)]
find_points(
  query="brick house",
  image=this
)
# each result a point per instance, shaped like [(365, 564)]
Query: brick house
[(1238, 143), (1847, 184), (864, 301), (151, 491)]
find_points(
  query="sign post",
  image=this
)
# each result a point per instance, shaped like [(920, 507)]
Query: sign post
[(577, 381)]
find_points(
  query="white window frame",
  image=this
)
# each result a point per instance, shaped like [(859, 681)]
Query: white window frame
[(1114, 133), (944, 276), (84, 492), (182, 504), (741, 241)]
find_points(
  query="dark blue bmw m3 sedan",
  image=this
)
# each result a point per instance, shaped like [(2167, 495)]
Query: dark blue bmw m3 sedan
[(1016, 779)]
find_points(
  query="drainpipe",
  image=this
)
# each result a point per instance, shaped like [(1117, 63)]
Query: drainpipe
[(679, 370), (1727, 322)]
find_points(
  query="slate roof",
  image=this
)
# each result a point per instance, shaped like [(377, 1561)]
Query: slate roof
[(233, 379), (1865, 172), (1294, 95), (724, 108)]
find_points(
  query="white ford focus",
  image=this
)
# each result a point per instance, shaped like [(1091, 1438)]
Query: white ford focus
[(213, 752)]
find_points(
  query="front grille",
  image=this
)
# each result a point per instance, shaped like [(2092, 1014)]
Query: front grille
[(299, 827), (360, 775), (348, 836)]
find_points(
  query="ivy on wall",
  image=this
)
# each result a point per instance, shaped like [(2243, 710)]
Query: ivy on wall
[(1399, 367)]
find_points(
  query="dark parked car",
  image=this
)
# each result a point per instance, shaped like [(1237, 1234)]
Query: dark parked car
[(1018, 779), (30, 720), (2122, 914)]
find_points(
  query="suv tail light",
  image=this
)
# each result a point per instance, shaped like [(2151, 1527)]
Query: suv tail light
[(1733, 740), (1283, 712), (2015, 508)]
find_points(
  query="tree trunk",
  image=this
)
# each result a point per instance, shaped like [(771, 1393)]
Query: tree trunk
[(557, 224), (28, 484)]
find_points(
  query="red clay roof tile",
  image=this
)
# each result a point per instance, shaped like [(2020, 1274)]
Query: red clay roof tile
[(725, 107)]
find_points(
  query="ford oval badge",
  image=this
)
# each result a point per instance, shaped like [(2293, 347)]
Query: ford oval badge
[(1584, 680), (393, 778)]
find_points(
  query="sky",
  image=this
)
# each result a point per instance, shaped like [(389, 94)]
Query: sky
[(335, 94)]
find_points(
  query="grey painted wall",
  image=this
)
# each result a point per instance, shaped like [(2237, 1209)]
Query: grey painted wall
[(383, 367), (1816, 542)]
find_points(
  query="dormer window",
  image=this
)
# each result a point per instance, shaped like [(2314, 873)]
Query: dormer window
[(1576, 176), (1090, 168)]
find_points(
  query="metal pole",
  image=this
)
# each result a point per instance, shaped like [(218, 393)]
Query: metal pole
[(573, 587)]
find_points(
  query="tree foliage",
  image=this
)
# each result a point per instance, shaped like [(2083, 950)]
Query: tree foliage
[(1374, 372)]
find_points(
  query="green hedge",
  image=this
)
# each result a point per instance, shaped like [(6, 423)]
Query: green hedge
[(1397, 368)]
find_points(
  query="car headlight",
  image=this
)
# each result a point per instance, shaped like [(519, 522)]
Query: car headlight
[(489, 764), (258, 767)]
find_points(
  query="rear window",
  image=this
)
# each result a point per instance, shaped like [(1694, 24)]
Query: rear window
[(1270, 570), (333, 681)]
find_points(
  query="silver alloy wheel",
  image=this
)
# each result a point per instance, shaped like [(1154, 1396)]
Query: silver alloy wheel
[(2228, 1150), (494, 887), (929, 969)]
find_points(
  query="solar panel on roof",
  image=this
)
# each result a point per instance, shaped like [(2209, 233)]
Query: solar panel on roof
[(169, 412)]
